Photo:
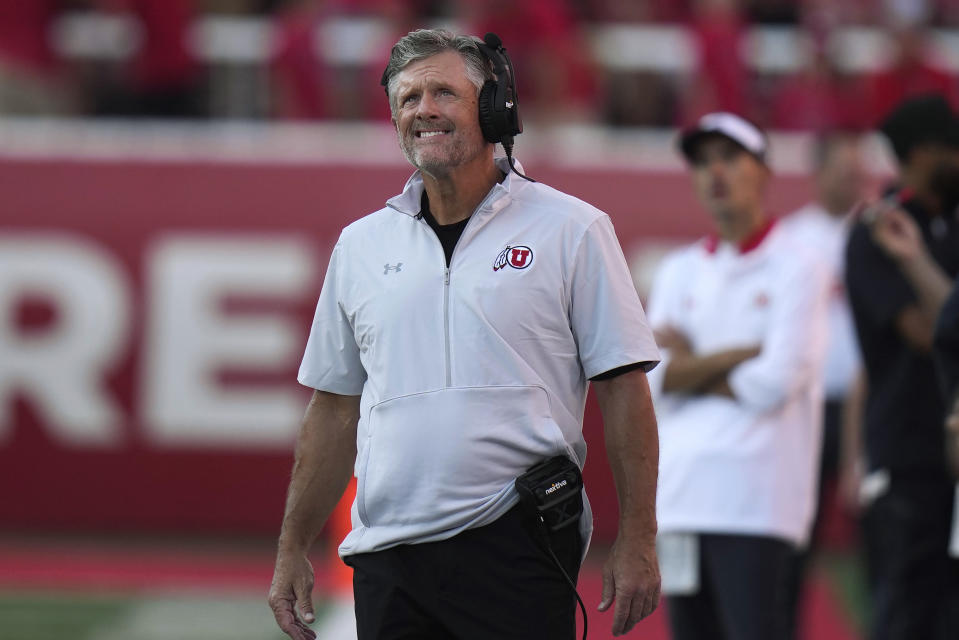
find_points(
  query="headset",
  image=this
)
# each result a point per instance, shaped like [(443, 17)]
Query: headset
[(498, 102), (498, 99)]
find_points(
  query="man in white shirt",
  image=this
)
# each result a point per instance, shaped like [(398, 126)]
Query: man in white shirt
[(741, 316), (823, 226), (454, 339)]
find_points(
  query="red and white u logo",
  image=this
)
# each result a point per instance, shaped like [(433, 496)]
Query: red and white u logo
[(519, 257)]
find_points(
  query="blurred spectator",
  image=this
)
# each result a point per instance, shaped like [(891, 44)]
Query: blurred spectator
[(822, 227), (772, 11), (241, 7), (166, 74), (820, 18), (309, 85), (554, 67), (640, 10), (632, 97), (164, 77), (947, 13), (911, 71), (720, 81), (299, 76), (818, 98), (899, 263), (31, 79), (847, 12), (638, 99), (741, 317)]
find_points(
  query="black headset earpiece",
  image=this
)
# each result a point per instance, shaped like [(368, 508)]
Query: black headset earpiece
[(491, 128), (498, 100)]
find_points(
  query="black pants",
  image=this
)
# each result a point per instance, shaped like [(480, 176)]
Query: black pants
[(742, 592), (492, 582), (914, 584)]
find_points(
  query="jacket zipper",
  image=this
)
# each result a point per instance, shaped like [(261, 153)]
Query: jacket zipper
[(446, 326), (446, 289), (446, 306)]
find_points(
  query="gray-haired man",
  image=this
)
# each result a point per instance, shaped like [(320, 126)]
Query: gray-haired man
[(454, 338)]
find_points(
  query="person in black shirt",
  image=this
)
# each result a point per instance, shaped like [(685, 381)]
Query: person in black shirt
[(900, 263)]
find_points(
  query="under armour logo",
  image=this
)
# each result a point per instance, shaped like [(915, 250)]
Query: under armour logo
[(392, 267)]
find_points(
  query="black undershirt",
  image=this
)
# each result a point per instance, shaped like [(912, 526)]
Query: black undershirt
[(449, 235)]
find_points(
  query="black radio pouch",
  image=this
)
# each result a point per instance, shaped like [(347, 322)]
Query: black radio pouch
[(551, 492), (551, 495)]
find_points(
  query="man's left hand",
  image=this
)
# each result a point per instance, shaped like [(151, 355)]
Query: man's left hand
[(631, 581)]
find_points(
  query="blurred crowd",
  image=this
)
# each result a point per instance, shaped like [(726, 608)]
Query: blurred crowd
[(321, 59)]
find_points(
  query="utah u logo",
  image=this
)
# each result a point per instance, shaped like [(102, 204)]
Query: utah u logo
[(518, 257)]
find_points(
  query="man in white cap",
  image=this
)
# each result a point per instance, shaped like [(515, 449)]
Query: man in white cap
[(741, 318)]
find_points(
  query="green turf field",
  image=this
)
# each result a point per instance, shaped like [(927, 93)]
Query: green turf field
[(846, 576), (161, 599), (69, 615)]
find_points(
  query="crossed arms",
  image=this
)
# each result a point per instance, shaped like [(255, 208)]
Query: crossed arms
[(699, 374)]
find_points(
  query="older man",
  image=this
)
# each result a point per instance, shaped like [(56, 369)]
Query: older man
[(741, 316), (454, 339)]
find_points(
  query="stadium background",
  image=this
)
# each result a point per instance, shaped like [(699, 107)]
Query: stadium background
[(173, 176)]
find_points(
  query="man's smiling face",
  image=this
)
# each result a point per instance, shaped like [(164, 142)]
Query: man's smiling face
[(435, 112)]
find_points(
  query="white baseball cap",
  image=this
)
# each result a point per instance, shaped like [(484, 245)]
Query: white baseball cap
[(729, 125)]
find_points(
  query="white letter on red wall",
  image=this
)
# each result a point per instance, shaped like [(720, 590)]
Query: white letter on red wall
[(190, 338), (60, 369)]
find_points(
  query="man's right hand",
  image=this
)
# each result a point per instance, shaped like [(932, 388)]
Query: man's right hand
[(325, 454), (631, 581), (290, 595), (851, 473), (898, 235)]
